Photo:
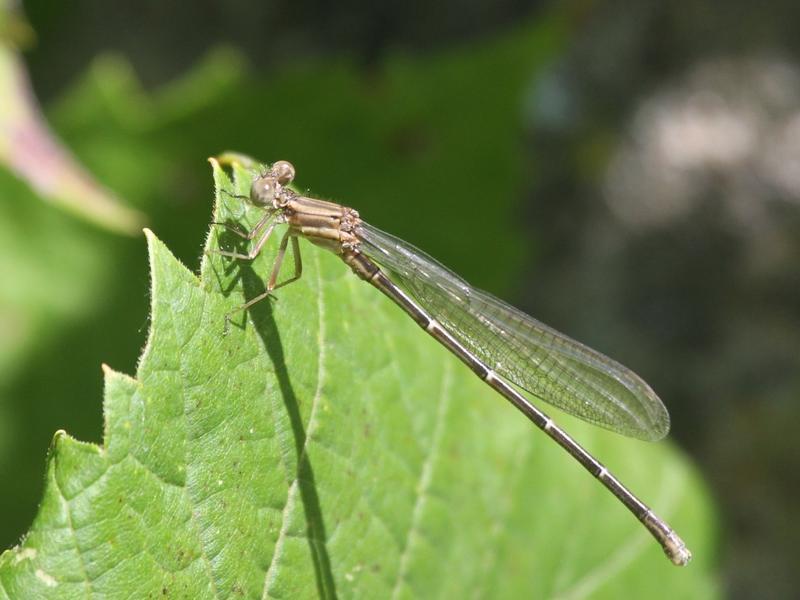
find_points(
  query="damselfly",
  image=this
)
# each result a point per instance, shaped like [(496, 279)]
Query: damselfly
[(498, 342)]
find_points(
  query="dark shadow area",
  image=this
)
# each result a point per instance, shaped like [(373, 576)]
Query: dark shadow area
[(231, 274), (269, 34), (262, 317)]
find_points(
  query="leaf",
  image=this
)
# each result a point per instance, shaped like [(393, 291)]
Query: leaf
[(327, 447)]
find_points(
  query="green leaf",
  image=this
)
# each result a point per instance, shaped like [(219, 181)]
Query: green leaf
[(327, 447)]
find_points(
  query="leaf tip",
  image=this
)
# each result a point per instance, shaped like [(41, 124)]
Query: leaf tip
[(112, 375), (58, 435), (57, 441), (236, 159)]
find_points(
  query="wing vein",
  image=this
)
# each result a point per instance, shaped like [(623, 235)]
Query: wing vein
[(528, 353)]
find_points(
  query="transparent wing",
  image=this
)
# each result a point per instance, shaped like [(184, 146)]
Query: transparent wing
[(537, 358)]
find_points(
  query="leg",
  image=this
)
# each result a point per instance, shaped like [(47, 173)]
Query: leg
[(237, 196), (298, 263), (271, 285), (255, 249), (253, 232)]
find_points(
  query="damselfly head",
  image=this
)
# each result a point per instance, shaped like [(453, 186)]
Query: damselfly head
[(267, 187), (264, 190)]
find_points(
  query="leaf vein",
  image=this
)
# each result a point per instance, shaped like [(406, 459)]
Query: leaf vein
[(68, 514), (426, 476), (186, 488), (500, 525), (626, 553)]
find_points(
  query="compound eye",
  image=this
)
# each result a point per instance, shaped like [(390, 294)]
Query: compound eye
[(263, 191), (284, 171)]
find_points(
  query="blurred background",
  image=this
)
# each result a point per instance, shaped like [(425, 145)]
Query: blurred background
[(628, 172)]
